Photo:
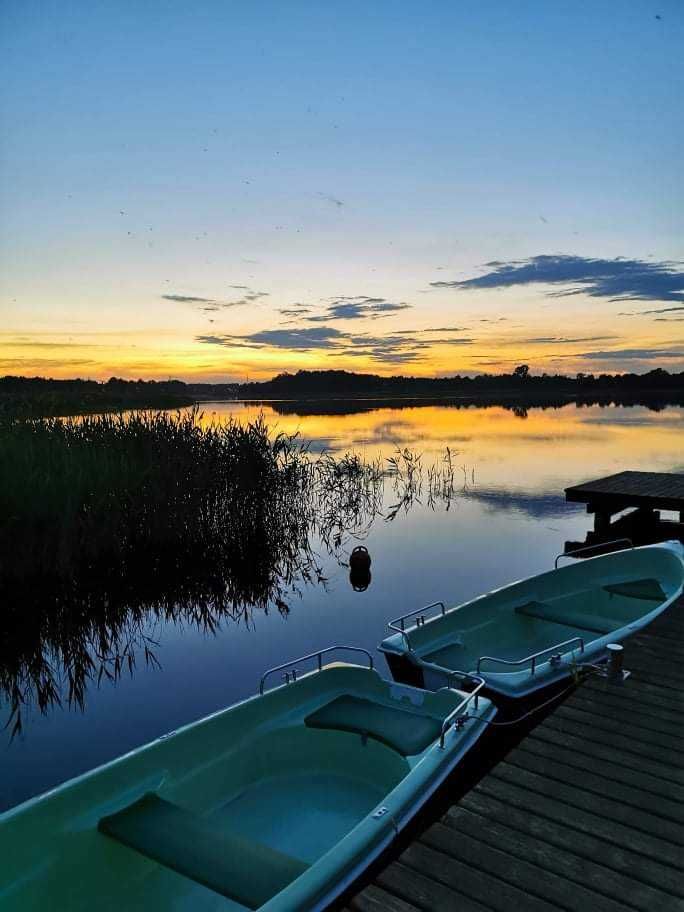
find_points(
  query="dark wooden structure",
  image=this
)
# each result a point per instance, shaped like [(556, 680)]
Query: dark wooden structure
[(586, 813), (645, 491)]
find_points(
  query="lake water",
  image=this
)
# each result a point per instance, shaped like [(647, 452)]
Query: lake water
[(507, 520)]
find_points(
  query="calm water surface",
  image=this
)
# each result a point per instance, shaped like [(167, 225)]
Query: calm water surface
[(508, 520)]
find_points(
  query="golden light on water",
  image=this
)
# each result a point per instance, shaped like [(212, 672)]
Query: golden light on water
[(540, 451)]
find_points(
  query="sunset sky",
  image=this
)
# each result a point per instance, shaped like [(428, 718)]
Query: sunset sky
[(221, 190)]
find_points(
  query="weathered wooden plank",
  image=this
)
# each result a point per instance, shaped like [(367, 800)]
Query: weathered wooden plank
[(653, 717), (653, 663), (666, 743), (583, 877), (581, 761), (531, 878), (643, 693), (637, 830), (427, 894), (671, 669), (668, 760), (591, 780), (655, 489), (566, 740), (375, 899), (578, 831), (661, 676), (658, 722), (656, 639), (468, 880)]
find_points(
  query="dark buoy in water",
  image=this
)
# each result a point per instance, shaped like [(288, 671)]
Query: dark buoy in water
[(359, 559), (359, 569)]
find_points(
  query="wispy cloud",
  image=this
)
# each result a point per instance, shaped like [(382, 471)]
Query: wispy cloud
[(249, 296), (549, 340), (25, 364), (617, 280), (430, 329), (187, 299), (293, 339), (659, 310), (358, 307), (28, 343), (393, 348), (634, 354), (294, 310)]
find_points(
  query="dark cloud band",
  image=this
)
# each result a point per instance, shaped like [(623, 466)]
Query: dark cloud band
[(617, 280)]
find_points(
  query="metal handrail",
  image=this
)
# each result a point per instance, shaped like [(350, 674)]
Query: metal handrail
[(312, 655), (531, 658), (455, 716), (616, 541), (421, 620)]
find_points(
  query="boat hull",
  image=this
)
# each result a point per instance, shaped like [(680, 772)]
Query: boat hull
[(536, 632), (313, 779)]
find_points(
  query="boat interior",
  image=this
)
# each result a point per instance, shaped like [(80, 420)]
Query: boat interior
[(230, 811), (579, 601)]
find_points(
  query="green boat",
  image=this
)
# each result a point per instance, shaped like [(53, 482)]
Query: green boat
[(535, 632), (277, 803)]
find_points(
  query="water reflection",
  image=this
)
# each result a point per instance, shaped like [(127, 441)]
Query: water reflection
[(490, 511), (516, 404), (246, 544)]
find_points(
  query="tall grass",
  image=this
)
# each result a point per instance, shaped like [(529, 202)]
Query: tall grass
[(112, 524)]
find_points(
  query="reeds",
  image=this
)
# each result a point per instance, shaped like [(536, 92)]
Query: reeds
[(111, 525)]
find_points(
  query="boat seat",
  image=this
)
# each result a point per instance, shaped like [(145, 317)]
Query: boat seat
[(244, 871), (595, 623), (649, 590), (404, 730)]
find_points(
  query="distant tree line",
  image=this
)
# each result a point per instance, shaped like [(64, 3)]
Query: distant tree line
[(33, 396), (520, 383), (39, 396)]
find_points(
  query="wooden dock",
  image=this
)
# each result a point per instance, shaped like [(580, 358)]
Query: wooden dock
[(645, 491), (586, 814)]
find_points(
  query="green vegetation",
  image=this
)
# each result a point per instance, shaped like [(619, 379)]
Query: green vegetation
[(110, 522), (113, 524)]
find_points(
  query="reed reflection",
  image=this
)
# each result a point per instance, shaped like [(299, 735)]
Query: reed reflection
[(120, 525)]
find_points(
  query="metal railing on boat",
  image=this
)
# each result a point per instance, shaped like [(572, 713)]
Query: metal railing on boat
[(457, 717), (312, 655), (420, 620), (598, 545), (532, 658)]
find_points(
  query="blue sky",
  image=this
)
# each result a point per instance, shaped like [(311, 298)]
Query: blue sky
[(317, 152)]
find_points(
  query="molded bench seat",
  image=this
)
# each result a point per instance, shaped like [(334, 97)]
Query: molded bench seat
[(649, 590), (242, 870), (594, 623), (404, 730)]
